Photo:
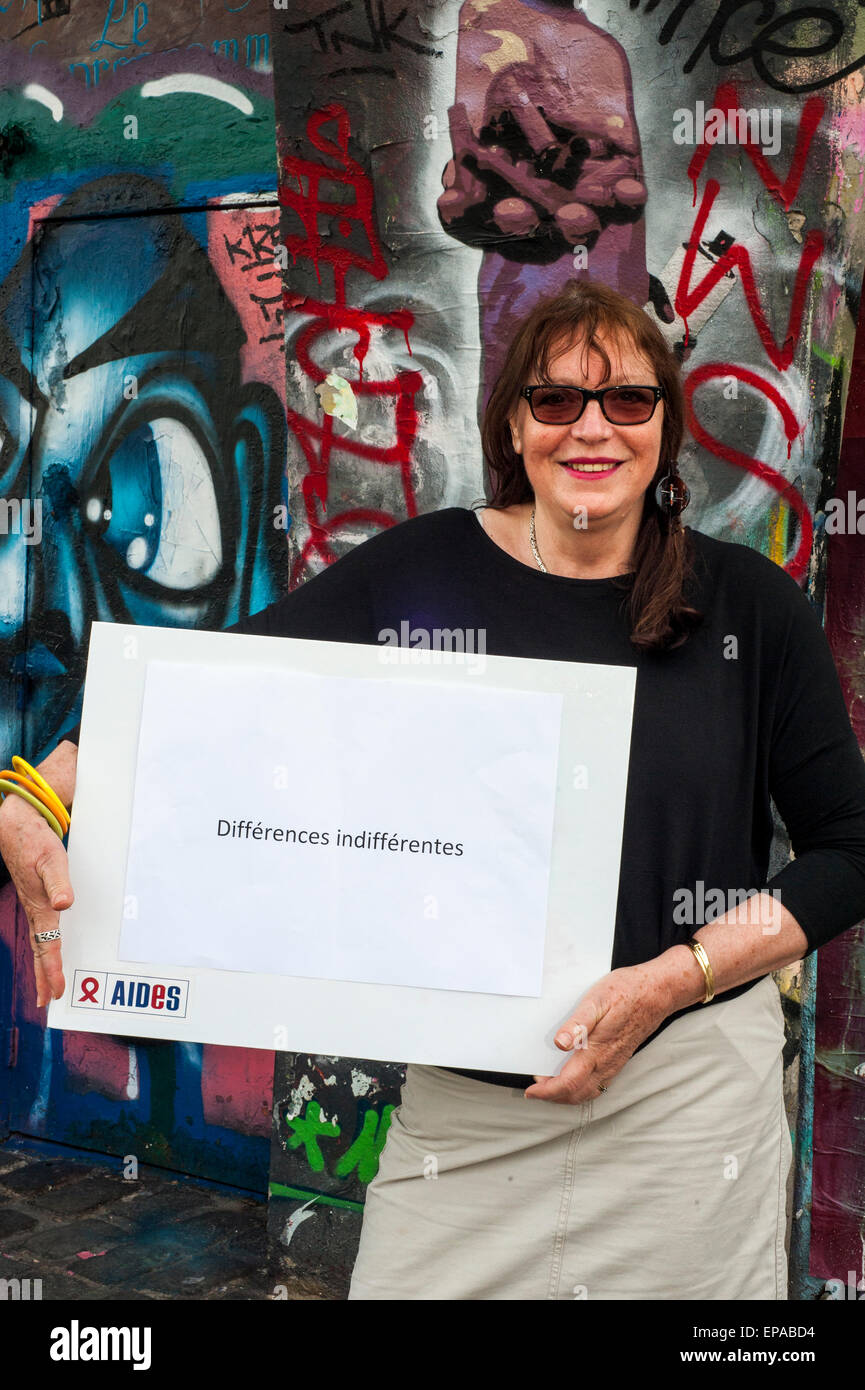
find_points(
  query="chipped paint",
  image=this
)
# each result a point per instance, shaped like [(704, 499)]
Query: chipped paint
[(360, 1083), (302, 1092), (338, 399)]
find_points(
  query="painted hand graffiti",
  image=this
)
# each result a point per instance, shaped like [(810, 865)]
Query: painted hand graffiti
[(546, 159)]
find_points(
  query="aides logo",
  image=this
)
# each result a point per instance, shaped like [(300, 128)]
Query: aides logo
[(135, 994)]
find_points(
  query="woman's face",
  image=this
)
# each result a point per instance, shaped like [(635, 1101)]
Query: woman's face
[(553, 455)]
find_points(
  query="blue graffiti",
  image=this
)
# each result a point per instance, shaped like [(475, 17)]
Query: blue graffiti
[(157, 468), (139, 22)]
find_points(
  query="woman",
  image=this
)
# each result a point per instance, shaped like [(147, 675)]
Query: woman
[(654, 1165)]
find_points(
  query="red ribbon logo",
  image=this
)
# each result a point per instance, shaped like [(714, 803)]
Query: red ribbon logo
[(89, 990)]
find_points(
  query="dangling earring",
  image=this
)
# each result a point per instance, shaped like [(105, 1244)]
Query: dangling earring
[(672, 493)]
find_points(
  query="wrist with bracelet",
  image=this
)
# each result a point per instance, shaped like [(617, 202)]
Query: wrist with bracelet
[(702, 959), (24, 781)]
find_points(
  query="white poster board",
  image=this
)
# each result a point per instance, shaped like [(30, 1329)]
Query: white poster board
[(342, 849)]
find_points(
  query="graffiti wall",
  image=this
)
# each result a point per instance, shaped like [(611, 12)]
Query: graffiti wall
[(142, 406), (838, 1178), (259, 265), (439, 173), (330, 1122), (443, 165)]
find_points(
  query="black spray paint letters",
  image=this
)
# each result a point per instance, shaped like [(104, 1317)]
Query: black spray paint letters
[(762, 35)]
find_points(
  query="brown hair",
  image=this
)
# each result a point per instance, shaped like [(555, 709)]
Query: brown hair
[(663, 557)]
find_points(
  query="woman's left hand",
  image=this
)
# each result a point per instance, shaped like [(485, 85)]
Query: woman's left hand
[(605, 1029)]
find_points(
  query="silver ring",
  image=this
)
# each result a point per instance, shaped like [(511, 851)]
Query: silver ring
[(47, 935), (601, 1086)]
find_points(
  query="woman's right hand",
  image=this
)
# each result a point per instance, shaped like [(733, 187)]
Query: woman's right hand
[(37, 864)]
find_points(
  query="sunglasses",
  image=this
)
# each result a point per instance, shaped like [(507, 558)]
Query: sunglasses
[(621, 405)]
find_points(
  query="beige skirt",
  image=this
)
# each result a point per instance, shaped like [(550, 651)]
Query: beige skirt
[(671, 1185)]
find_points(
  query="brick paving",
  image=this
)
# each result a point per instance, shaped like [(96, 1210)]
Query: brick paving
[(89, 1234)]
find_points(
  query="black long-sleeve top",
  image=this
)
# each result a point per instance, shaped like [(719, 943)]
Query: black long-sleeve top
[(747, 709)]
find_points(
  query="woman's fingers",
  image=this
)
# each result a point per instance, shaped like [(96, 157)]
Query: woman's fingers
[(574, 1032), (575, 1084), (52, 867), (39, 869), (610, 1021), (48, 968), (52, 871)]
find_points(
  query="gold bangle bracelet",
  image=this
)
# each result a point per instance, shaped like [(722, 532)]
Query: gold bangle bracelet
[(705, 965)]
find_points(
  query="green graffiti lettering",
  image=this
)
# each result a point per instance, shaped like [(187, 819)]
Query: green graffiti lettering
[(308, 1130), (364, 1152)]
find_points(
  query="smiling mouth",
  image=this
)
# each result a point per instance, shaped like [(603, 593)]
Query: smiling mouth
[(590, 468)]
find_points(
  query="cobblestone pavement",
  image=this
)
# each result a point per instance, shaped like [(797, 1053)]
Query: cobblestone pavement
[(87, 1233)]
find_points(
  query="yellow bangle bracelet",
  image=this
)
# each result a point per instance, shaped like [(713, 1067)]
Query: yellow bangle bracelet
[(54, 802), (705, 965), (7, 786), (48, 798)]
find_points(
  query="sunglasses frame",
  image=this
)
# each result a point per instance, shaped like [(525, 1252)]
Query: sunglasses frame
[(658, 392)]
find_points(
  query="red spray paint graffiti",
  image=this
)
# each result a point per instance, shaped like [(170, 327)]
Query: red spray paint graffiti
[(780, 355), (785, 490), (304, 189)]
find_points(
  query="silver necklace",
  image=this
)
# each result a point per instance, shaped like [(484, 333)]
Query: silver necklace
[(533, 543)]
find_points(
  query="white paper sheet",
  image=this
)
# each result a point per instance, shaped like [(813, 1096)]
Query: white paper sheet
[(455, 790)]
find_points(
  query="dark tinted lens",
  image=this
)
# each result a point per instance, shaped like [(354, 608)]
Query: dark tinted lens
[(557, 405), (629, 405)]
